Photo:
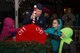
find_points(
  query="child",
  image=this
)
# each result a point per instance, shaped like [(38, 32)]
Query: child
[(55, 29), (8, 28), (66, 43)]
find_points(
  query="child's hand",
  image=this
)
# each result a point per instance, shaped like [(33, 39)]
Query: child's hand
[(46, 34), (14, 38)]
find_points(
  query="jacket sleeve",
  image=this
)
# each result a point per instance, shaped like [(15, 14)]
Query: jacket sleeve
[(14, 30), (73, 48), (48, 31), (27, 20)]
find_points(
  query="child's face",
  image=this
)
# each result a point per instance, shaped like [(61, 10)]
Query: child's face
[(55, 24), (63, 35)]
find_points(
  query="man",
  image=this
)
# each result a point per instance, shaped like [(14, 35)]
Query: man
[(37, 16), (68, 18), (47, 16)]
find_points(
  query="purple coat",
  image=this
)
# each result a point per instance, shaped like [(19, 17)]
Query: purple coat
[(8, 28)]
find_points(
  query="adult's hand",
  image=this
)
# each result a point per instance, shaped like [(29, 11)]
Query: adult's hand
[(33, 16)]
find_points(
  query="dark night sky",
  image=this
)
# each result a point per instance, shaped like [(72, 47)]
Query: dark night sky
[(75, 4)]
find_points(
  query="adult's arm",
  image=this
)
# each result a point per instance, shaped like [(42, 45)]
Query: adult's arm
[(27, 20)]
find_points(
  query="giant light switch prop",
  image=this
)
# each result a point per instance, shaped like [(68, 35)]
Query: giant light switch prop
[(31, 33)]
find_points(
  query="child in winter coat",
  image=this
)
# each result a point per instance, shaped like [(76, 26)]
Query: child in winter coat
[(55, 30), (8, 28)]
